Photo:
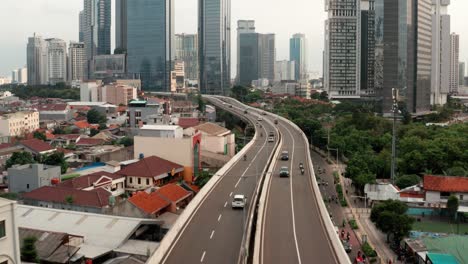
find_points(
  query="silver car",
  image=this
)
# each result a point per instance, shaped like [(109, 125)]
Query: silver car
[(239, 201)]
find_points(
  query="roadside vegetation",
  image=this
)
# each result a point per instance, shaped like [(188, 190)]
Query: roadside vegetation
[(59, 90)]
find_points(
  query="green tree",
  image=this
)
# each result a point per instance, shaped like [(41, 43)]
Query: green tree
[(405, 181), (56, 159), (39, 135), (239, 92), (69, 199), (457, 171), (95, 117), (202, 178), (390, 217), (93, 132), (28, 250), (201, 103), (19, 158), (126, 141), (452, 205), (102, 126)]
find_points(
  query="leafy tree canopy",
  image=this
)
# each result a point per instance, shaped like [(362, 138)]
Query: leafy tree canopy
[(20, 158), (95, 117)]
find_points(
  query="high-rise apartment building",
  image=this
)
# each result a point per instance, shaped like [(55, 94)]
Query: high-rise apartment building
[(37, 61), (96, 23), (243, 27), (454, 63), (214, 38), (22, 75), (14, 76), (186, 50), (440, 52), (248, 58), (76, 61), (367, 21), (267, 56), (57, 60), (121, 24), (461, 73), (298, 53), (150, 42), (342, 49), (81, 25), (285, 70)]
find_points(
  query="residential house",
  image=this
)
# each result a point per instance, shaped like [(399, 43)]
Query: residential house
[(25, 178), (19, 123), (216, 139), (161, 131), (106, 153), (150, 172), (153, 204), (113, 183), (178, 196), (9, 238), (58, 112), (184, 109), (141, 113), (37, 147), (186, 122), (65, 140), (439, 188), (95, 201), (89, 142), (84, 127)]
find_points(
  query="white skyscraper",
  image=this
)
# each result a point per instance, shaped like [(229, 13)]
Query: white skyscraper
[(76, 61), (440, 52), (23, 75), (285, 71), (57, 60), (37, 60), (454, 62)]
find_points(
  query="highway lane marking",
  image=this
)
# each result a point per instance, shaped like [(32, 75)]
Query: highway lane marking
[(212, 233), (219, 217), (230, 194), (292, 197), (203, 256), (225, 204)]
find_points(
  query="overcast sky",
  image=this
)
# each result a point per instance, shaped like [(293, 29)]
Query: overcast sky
[(59, 19)]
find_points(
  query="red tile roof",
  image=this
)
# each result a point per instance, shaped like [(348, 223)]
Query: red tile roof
[(84, 124), (90, 142), (97, 198), (68, 136), (51, 107), (36, 145), (6, 145), (64, 151), (86, 181), (186, 122), (149, 203), (445, 183), (149, 167), (49, 135), (174, 192)]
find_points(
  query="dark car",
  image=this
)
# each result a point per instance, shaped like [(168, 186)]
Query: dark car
[(284, 172), (284, 155)]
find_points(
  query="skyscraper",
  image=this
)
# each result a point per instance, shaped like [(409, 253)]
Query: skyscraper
[(214, 38), (454, 63), (284, 70), (461, 74), (298, 53), (243, 27), (96, 23), (367, 19), (342, 49), (248, 58), (81, 26), (121, 24), (186, 49), (14, 76), (440, 52), (37, 61), (150, 42), (22, 75), (267, 56), (57, 60), (76, 61)]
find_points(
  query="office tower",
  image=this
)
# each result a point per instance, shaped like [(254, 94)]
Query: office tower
[(81, 26), (97, 27), (367, 48), (14, 76), (285, 70), (150, 42), (186, 50), (57, 60), (342, 49), (37, 61), (76, 61), (267, 56), (22, 75), (440, 52), (248, 58), (454, 63), (121, 25), (214, 38), (298, 53), (243, 27), (461, 73)]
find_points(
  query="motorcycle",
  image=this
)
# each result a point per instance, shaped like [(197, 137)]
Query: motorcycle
[(245, 157), (301, 167)]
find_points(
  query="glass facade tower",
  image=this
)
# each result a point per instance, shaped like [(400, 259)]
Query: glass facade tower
[(150, 42), (214, 38)]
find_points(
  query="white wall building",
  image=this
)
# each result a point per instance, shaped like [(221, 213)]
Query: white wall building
[(57, 60), (88, 91), (285, 70), (162, 131), (440, 52), (37, 61), (76, 61), (22, 75), (454, 62), (19, 123), (9, 238)]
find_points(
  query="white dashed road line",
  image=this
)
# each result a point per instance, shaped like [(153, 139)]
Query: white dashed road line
[(219, 217), (212, 233), (203, 256)]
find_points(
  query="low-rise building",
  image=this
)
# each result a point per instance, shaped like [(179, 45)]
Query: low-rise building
[(19, 123), (113, 183), (150, 172), (37, 147), (141, 113), (25, 178), (439, 188), (178, 196), (116, 94), (57, 112), (9, 238), (152, 204), (161, 131), (215, 139)]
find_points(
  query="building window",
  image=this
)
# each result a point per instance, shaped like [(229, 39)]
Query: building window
[(147, 181), (2, 229), (444, 195), (139, 180), (461, 197), (130, 180), (27, 186)]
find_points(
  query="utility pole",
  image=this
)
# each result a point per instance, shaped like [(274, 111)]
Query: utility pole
[(395, 112)]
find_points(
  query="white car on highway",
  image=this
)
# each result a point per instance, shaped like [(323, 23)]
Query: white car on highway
[(271, 139), (239, 201)]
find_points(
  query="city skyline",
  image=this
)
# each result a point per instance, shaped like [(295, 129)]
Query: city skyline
[(14, 56)]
